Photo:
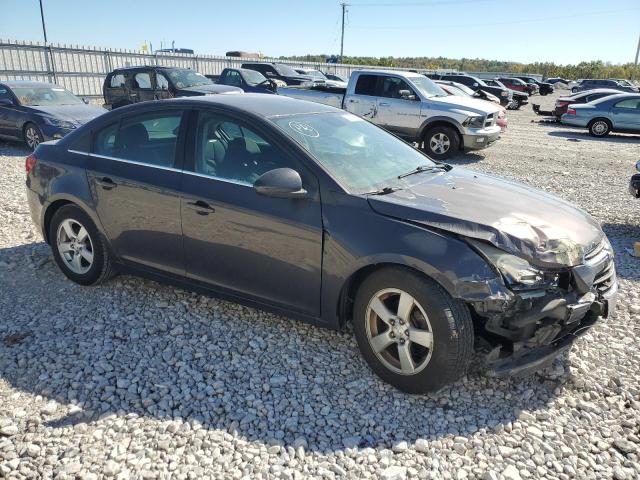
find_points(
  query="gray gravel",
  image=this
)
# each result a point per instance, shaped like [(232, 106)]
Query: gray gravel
[(135, 379)]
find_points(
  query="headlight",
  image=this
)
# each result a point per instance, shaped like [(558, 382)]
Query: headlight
[(59, 123), (516, 271), (474, 122), (504, 94)]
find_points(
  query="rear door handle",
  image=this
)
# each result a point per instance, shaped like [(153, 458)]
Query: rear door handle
[(351, 100), (201, 208), (384, 104), (106, 183)]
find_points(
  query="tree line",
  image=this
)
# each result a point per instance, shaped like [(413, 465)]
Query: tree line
[(593, 69)]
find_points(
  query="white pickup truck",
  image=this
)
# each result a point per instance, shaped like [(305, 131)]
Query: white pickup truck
[(413, 107)]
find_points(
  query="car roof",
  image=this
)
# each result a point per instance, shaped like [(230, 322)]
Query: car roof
[(595, 90), (27, 83), (147, 67), (253, 103)]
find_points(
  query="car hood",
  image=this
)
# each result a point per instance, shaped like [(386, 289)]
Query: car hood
[(467, 104), (518, 219), (209, 89), (77, 114)]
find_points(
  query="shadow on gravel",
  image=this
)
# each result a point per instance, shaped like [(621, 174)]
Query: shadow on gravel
[(466, 158), (622, 237), (137, 347), (13, 148), (582, 135)]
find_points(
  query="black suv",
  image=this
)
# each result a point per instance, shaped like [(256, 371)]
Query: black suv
[(279, 71), (477, 84), (125, 86), (591, 84), (544, 88)]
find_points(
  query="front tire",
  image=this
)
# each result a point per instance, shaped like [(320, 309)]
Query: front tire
[(411, 332), (515, 104), (78, 247), (32, 136), (441, 142), (599, 127)]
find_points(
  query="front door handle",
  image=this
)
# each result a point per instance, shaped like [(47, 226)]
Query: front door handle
[(201, 208), (385, 104), (106, 183)]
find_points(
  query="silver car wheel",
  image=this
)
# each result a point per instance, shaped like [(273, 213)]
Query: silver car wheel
[(75, 246), (439, 143), (32, 137), (399, 331), (600, 127)]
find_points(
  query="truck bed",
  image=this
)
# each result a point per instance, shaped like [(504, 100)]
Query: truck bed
[(332, 96)]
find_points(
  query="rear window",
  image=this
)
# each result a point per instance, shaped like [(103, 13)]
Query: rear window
[(366, 85), (117, 81)]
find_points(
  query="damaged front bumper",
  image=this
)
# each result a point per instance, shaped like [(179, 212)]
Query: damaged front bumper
[(524, 331)]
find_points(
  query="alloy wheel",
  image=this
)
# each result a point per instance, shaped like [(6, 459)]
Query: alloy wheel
[(32, 136), (399, 331), (439, 143), (600, 127), (75, 246)]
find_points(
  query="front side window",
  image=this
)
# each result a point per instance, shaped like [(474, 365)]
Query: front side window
[(360, 155), (104, 141), (229, 150), (117, 81), (5, 93), (233, 78), (392, 86), (149, 138), (161, 82), (142, 81), (366, 85)]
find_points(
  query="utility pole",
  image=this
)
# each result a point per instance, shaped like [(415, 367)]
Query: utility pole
[(635, 70), (44, 29), (344, 11)]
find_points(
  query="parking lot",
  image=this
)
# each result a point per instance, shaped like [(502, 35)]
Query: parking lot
[(140, 380)]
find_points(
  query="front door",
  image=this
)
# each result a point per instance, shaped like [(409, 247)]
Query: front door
[(134, 173), (142, 87), (162, 88), (399, 107), (265, 248), (625, 114), (363, 101), (9, 114)]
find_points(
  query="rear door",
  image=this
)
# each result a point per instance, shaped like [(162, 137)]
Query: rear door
[(9, 114), (116, 92), (363, 101), (265, 248), (134, 173), (625, 114), (398, 111)]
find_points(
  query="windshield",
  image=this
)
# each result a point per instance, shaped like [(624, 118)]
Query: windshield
[(285, 70), (316, 74), (427, 87), (479, 82), (455, 90), (361, 156), (35, 96), (253, 78), (184, 78)]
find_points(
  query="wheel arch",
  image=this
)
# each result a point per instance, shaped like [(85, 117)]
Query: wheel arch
[(441, 122), (60, 201), (595, 119)]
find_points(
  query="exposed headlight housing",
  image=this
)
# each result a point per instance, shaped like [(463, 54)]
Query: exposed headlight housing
[(59, 123), (474, 122), (516, 271)]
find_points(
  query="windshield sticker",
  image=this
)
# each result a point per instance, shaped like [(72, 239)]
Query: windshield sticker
[(304, 129), (351, 118)]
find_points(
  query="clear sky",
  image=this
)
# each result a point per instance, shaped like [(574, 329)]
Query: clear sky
[(562, 31)]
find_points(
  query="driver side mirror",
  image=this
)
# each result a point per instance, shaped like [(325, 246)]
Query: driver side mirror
[(475, 85), (280, 182), (407, 95), (85, 100), (7, 102)]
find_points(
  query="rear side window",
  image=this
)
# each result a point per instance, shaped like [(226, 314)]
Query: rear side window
[(632, 103), (104, 140), (366, 85), (117, 81), (142, 81)]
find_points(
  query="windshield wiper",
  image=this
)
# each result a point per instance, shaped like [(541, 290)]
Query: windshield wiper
[(427, 168), (383, 191)]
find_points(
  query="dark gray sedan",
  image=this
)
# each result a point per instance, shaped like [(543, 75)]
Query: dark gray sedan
[(314, 213), (614, 113)]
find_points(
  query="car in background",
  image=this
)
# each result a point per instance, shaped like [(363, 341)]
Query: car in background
[(454, 88), (615, 113), (320, 77), (544, 88), (554, 80), (634, 183), (34, 112), (249, 81), (475, 83), (587, 96), (591, 84), (311, 212), (624, 83), (517, 85), (335, 77), (279, 71), (128, 85), (517, 98)]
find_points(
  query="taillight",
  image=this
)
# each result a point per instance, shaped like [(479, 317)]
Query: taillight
[(560, 103), (571, 111), (30, 162)]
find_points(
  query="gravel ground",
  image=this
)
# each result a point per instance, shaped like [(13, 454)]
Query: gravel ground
[(135, 379)]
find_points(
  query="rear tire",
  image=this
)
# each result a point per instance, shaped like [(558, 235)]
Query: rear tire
[(79, 249), (32, 135), (599, 127), (421, 314), (441, 142)]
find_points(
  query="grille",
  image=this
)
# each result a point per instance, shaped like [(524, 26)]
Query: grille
[(595, 252), (605, 279), (490, 121)]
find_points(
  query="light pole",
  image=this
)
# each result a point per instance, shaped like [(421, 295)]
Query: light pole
[(344, 11), (44, 28)]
